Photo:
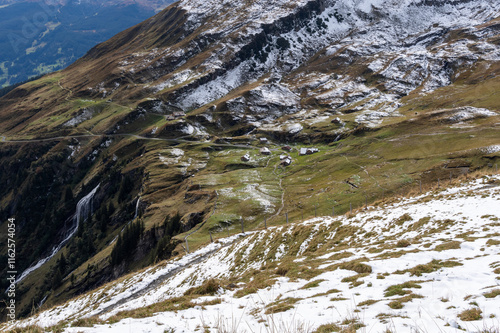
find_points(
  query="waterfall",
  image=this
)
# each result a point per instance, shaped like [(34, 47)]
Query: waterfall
[(135, 216), (42, 301), (84, 208), (137, 207)]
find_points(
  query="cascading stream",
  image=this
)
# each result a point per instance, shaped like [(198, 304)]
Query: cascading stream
[(135, 216), (84, 208), (137, 208)]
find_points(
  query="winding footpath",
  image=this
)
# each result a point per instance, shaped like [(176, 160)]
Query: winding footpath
[(138, 137)]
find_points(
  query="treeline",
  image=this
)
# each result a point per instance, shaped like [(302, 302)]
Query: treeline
[(87, 241), (81, 247), (41, 182), (157, 241), (164, 246), (126, 244)]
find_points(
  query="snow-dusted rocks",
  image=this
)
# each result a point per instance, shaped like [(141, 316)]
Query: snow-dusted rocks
[(262, 60), (82, 116), (469, 113), (406, 46), (269, 101)]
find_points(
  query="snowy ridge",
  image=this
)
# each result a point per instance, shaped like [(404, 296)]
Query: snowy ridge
[(457, 228), (228, 19), (406, 46), (110, 295), (403, 42)]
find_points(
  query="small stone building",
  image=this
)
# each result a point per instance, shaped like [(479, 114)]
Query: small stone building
[(265, 151), (308, 151), (286, 162)]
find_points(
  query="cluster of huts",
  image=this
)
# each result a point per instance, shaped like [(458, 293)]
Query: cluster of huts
[(285, 159)]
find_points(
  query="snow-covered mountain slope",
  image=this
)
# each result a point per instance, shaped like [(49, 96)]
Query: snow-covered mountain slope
[(423, 264), (367, 54)]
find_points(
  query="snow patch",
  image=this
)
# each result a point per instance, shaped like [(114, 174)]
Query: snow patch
[(469, 113), (84, 115)]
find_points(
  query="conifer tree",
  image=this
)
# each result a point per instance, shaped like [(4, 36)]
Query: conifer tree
[(111, 209), (62, 263)]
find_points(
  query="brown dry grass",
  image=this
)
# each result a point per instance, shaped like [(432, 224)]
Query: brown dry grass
[(492, 294), (209, 287), (471, 314), (403, 243), (328, 328), (399, 289), (172, 304), (453, 245), (28, 329), (430, 267), (281, 305), (312, 284), (399, 303), (87, 322), (368, 302)]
